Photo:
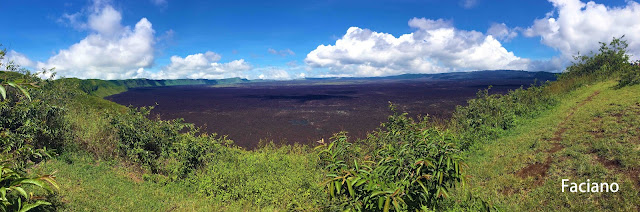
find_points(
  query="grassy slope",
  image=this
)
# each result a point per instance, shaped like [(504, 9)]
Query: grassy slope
[(102, 182), (90, 185), (592, 134), (87, 184)]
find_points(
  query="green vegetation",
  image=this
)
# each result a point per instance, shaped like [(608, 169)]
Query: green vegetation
[(24, 138), (103, 88), (500, 152)]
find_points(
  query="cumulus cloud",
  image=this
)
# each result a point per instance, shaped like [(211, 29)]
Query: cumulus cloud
[(201, 66), (284, 52), (274, 73), (18, 59), (435, 46), (576, 27), (110, 51), (502, 32)]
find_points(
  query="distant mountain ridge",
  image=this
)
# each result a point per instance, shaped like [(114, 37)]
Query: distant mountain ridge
[(485, 74), (103, 88)]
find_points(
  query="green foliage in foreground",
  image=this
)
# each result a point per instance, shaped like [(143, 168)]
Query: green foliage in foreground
[(23, 140), (413, 169)]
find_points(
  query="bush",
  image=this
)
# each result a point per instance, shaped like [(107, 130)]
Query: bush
[(145, 141), (412, 168), (630, 76), (611, 62), (487, 116), (27, 128)]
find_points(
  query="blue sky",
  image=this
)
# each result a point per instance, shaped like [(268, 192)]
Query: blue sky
[(295, 39)]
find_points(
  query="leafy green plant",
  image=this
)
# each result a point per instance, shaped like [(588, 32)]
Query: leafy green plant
[(610, 62), (14, 197), (143, 140), (26, 129), (488, 115), (412, 167)]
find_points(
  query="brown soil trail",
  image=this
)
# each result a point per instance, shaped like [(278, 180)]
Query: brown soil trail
[(539, 170)]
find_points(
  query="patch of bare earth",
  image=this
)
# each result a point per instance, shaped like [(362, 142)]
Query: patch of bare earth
[(539, 170), (615, 166)]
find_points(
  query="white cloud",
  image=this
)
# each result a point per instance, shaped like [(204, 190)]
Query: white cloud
[(435, 46), (502, 32), (106, 21), (18, 59), (284, 52), (428, 24), (201, 66), (468, 4), (274, 73), (576, 27), (110, 51)]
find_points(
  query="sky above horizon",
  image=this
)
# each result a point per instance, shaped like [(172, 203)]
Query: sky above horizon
[(168, 39)]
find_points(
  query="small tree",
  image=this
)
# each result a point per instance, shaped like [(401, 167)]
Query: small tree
[(610, 62)]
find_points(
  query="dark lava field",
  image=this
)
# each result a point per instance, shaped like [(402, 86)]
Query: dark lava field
[(302, 113)]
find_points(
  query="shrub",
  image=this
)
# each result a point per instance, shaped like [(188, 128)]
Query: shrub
[(487, 116), (412, 168), (143, 140), (630, 76), (610, 62), (27, 128)]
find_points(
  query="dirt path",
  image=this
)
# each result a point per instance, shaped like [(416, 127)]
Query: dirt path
[(539, 170)]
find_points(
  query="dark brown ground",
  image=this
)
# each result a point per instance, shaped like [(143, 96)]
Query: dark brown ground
[(304, 113)]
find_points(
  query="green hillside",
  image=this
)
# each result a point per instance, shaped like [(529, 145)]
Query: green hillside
[(103, 88), (63, 148)]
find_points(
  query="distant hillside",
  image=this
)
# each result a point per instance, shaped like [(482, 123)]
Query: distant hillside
[(487, 74), (102, 88)]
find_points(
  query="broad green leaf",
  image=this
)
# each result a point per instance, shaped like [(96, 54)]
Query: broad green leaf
[(28, 207), (51, 180), (12, 84), (360, 182), (34, 182), (376, 193), (3, 194), (350, 187), (396, 205), (22, 192), (386, 205), (331, 190), (3, 92)]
